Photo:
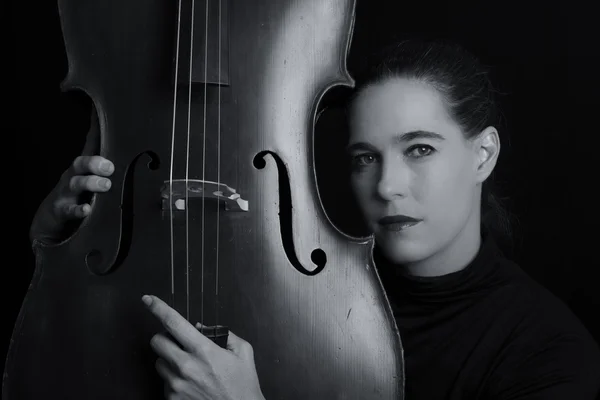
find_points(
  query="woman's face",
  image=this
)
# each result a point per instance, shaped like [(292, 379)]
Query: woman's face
[(414, 174)]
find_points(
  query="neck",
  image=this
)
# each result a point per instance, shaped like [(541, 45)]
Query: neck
[(455, 256)]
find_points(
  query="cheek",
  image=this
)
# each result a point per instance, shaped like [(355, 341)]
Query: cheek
[(443, 188)]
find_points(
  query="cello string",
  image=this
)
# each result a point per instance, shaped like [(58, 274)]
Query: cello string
[(204, 156), (173, 155), (187, 170), (218, 171)]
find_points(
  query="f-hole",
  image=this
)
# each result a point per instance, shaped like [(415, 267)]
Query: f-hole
[(94, 258), (318, 256)]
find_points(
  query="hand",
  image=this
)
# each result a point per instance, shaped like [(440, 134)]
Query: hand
[(68, 203), (194, 367)]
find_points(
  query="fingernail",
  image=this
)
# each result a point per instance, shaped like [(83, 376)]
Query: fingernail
[(105, 183), (106, 166), (147, 300)]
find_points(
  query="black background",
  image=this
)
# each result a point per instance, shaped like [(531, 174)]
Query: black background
[(544, 59)]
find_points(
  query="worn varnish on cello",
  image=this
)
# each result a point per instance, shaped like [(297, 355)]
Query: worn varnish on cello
[(207, 110)]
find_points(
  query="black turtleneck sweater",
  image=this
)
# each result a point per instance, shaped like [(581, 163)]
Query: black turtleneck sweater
[(491, 332)]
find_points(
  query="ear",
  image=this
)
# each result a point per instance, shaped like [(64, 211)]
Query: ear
[(487, 150)]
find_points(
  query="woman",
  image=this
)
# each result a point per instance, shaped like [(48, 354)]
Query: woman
[(422, 147)]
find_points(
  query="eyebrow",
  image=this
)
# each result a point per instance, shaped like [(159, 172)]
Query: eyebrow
[(403, 137)]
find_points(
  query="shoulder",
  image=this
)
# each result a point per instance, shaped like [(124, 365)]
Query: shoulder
[(547, 349), (541, 312)]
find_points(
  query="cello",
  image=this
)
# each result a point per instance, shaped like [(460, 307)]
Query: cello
[(207, 109)]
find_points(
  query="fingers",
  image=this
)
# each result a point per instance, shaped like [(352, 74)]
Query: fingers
[(88, 183), (167, 350), (172, 381), (164, 370), (88, 174), (74, 211), (94, 165), (182, 331), (66, 205)]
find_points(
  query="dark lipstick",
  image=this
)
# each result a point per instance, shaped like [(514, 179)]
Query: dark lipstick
[(398, 222)]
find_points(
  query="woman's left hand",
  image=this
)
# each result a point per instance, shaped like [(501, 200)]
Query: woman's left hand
[(199, 368)]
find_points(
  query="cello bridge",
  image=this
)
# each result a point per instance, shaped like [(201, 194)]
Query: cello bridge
[(218, 334), (177, 192)]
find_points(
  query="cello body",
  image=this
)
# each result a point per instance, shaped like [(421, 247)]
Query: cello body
[(214, 208)]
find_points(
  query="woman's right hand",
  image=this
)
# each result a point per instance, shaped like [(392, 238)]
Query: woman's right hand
[(69, 202)]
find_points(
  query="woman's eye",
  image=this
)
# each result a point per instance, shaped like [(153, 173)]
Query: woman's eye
[(361, 160), (420, 150)]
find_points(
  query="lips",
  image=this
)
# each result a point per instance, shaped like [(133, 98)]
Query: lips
[(398, 222)]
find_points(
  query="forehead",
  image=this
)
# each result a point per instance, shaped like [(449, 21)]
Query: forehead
[(398, 105)]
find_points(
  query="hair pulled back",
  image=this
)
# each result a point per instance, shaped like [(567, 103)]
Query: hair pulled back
[(465, 85)]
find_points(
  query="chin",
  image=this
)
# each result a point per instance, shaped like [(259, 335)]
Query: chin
[(399, 249)]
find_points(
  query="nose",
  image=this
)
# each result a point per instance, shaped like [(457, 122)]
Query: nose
[(393, 180)]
